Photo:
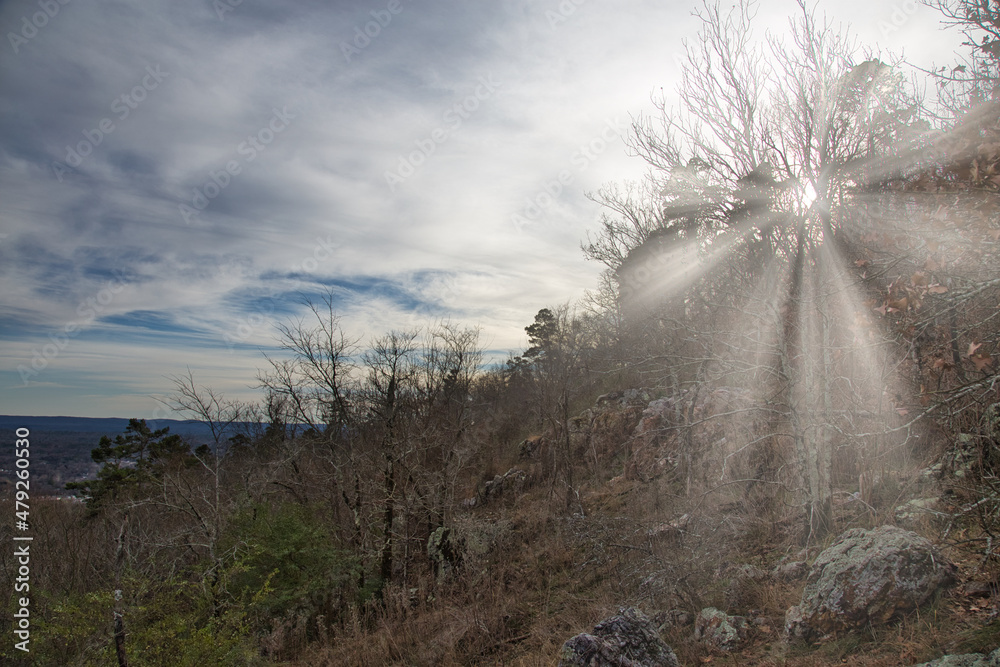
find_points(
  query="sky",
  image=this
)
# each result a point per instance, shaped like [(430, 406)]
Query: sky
[(176, 176)]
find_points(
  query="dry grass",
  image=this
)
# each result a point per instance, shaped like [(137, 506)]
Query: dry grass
[(515, 604), (542, 576)]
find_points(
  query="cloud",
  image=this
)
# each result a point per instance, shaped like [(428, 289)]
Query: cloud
[(278, 124)]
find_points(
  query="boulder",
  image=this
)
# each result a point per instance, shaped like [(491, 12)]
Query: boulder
[(628, 639), (623, 399), (653, 441), (914, 510), (868, 576), (531, 447), (967, 660), (720, 630), (958, 463), (511, 482), (603, 431)]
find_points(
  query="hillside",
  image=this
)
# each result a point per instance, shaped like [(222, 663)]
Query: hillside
[(769, 436)]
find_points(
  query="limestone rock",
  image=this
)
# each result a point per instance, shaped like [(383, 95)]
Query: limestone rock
[(623, 399), (532, 446), (687, 422), (627, 639), (512, 481), (720, 630), (868, 576), (967, 660), (444, 549), (917, 508)]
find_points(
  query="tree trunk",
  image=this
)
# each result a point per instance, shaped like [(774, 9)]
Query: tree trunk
[(119, 618), (385, 568), (120, 640)]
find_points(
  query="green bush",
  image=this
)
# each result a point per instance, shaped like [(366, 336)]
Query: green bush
[(288, 562), (176, 626)]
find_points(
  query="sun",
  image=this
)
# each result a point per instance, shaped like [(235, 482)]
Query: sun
[(807, 195)]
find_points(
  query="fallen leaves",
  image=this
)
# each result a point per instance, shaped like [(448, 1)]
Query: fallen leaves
[(979, 359), (941, 364)]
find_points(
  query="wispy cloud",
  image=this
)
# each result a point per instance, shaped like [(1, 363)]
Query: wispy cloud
[(175, 177)]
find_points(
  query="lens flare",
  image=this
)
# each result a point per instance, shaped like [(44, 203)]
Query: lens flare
[(807, 196)]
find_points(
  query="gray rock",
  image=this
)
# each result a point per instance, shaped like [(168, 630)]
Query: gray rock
[(511, 482), (791, 571), (444, 549), (917, 508), (532, 446), (967, 660), (720, 630), (627, 639), (625, 398), (957, 463), (868, 576)]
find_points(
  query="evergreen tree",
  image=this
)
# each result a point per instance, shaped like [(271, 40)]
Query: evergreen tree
[(130, 460)]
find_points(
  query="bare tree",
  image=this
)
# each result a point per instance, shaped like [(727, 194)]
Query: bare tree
[(557, 362), (316, 380), (205, 404), (448, 365), (750, 179), (389, 392), (976, 79)]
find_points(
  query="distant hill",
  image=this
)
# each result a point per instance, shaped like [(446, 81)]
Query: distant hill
[(61, 446), (100, 426)]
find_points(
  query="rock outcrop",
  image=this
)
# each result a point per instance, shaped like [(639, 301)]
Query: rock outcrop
[(510, 483), (628, 639), (603, 431), (444, 549), (967, 660), (868, 576), (690, 426), (532, 446)]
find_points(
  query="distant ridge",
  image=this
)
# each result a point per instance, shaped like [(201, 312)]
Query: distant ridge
[(101, 425)]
